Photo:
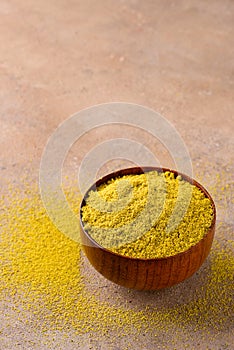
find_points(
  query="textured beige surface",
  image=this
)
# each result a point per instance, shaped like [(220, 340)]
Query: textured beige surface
[(58, 57)]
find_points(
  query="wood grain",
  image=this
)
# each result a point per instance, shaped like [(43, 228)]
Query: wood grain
[(147, 274)]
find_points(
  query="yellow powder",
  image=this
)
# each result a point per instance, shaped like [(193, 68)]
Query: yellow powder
[(111, 215), (41, 281)]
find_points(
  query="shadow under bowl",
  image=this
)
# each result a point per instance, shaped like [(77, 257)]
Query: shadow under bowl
[(147, 274)]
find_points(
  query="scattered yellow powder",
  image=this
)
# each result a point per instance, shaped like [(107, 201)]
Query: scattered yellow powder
[(42, 288), (123, 216)]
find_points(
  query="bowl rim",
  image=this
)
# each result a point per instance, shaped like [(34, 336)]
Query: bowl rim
[(142, 170)]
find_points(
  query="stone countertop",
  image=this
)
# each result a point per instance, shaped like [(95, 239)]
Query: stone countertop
[(57, 58)]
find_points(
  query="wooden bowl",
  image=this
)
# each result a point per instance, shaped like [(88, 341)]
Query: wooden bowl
[(146, 274)]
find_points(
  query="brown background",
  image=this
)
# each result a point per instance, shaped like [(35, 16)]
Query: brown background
[(58, 57)]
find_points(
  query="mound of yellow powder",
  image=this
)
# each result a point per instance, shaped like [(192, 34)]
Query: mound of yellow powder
[(131, 215)]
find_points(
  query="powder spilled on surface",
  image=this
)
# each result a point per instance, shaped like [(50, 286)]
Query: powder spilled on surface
[(42, 284)]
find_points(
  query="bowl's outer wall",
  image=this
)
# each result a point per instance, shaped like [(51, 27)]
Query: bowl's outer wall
[(147, 274)]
